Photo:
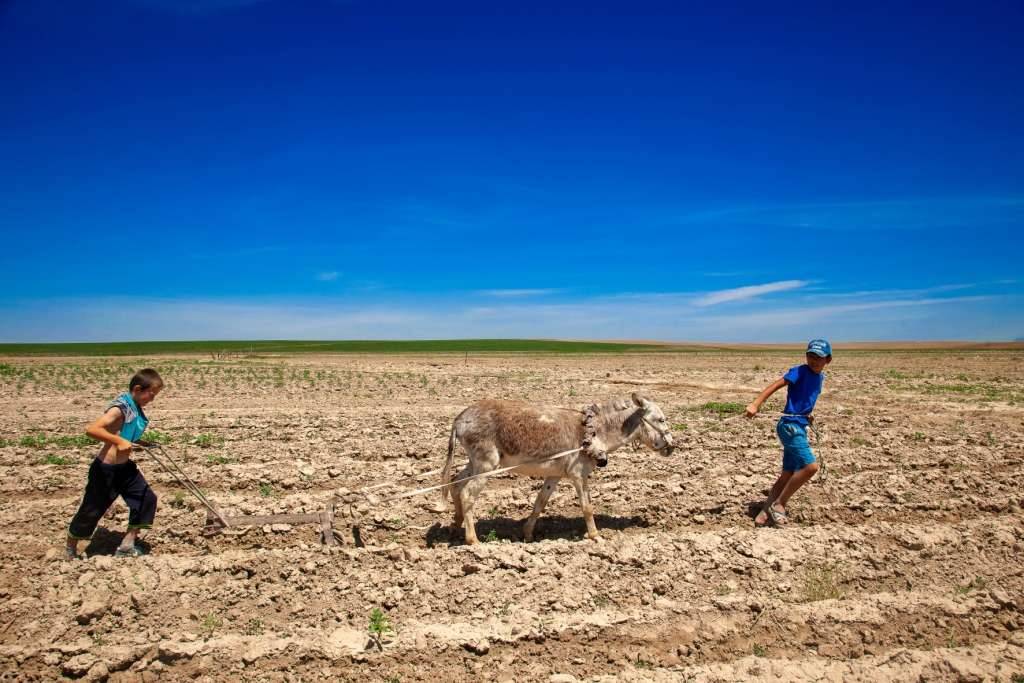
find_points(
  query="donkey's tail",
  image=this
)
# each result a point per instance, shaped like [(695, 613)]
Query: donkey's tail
[(446, 473)]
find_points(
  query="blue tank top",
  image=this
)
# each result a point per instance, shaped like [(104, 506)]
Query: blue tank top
[(134, 419)]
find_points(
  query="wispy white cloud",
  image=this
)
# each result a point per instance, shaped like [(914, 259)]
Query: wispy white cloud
[(989, 314), (328, 276), (516, 293), (749, 292)]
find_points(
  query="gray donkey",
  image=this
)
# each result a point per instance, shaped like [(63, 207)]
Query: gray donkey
[(514, 434)]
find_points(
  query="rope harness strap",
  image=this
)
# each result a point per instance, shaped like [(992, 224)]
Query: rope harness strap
[(489, 473)]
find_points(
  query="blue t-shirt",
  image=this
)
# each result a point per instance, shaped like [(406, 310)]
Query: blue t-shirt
[(802, 388)]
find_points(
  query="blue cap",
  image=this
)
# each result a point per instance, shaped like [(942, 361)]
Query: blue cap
[(819, 347)]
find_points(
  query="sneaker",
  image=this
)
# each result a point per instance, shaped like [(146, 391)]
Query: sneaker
[(134, 551)]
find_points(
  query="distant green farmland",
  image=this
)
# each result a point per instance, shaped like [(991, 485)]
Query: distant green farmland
[(150, 348)]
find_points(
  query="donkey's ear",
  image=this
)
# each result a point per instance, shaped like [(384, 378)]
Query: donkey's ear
[(640, 400)]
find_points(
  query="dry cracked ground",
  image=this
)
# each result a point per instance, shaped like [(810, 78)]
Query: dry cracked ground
[(903, 563)]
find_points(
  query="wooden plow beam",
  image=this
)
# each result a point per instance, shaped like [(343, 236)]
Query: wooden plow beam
[(324, 518)]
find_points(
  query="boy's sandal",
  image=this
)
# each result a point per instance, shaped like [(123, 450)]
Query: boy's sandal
[(70, 554), (777, 517), (134, 551)]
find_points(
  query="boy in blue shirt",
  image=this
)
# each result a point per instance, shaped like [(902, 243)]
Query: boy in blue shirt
[(113, 473), (803, 384)]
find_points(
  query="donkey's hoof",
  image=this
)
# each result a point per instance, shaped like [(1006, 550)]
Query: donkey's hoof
[(596, 538)]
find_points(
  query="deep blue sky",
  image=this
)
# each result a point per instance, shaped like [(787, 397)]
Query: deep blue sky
[(269, 169)]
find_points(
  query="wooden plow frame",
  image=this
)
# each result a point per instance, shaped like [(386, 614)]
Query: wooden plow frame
[(325, 518), (217, 522)]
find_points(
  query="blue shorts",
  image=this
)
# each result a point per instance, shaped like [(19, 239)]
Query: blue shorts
[(796, 451)]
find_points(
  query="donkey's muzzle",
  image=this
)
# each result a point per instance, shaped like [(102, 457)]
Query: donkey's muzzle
[(667, 450), (601, 459)]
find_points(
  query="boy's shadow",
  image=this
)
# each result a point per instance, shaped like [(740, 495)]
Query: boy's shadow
[(548, 527), (105, 542), (754, 507)]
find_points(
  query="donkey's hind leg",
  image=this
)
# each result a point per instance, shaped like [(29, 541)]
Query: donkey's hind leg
[(550, 484), (468, 491), (457, 496)]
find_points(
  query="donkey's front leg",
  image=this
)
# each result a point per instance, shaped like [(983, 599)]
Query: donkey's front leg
[(588, 509), (550, 484)]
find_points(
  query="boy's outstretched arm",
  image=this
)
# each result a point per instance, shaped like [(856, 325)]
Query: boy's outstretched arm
[(105, 429), (763, 396)]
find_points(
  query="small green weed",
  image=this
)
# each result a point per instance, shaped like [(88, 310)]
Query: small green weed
[(254, 627), (491, 537), (977, 583), (6, 370), (917, 436), (759, 650), (217, 459), (951, 641), (178, 499), (158, 437), (379, 627), (207, 441), (679, 427), (821, 582), (210, 622), (51, 459), (266, 490), (727, 408), (32, 441), (859, 441), (643, 663), (73, 441)]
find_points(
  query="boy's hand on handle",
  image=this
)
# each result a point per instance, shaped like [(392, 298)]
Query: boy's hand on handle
[(751, 410), (124, 448)]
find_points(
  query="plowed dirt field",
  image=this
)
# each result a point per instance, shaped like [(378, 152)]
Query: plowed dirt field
[(905, 562)]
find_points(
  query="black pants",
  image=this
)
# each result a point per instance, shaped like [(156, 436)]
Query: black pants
[(106, 483)]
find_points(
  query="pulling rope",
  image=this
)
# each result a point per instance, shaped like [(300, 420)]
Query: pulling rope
[(489, 473), (823, 470), (186, 482)]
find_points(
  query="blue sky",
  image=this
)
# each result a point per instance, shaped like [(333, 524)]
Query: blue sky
[(338, 170)]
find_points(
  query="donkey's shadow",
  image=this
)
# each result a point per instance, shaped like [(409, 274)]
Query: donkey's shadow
[(548, 527)]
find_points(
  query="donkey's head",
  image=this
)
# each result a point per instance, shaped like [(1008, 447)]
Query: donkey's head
[(648, 425)]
